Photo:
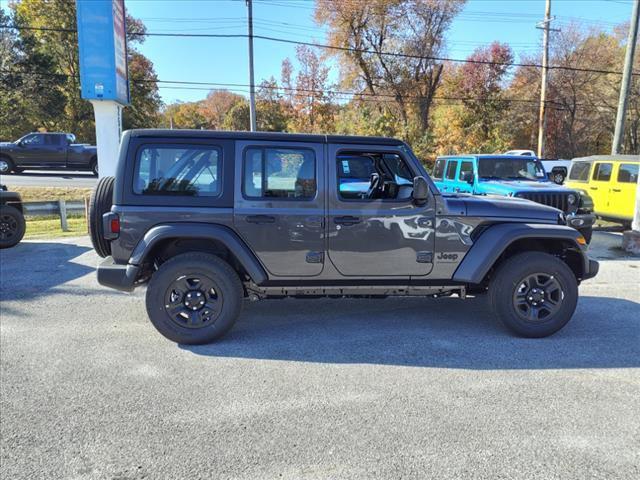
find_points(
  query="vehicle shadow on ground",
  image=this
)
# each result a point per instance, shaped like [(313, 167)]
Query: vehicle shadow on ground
[(443, 333), (34, 269)]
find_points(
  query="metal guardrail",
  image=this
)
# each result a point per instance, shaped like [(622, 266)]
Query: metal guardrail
[(51, 207), (59, 208)]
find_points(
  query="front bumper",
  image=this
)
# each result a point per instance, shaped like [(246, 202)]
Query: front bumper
[(581, 220), (116, 275), (591, 269)]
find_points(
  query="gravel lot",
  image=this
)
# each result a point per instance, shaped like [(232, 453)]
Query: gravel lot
[(311, 389)]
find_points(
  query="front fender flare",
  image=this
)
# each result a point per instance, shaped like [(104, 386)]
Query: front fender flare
[(487, 249), (183, 231)]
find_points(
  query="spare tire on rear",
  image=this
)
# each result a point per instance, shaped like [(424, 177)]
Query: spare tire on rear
[(100, 203)]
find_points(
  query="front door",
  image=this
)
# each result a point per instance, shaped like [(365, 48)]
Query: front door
[(279, 205), (375, 229), (623, 191), (599, 187)]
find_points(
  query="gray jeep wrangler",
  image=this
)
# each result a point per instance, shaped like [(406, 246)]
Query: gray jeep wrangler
[(205, 219)]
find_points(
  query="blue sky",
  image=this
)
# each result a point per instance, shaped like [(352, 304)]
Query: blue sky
[(223, 60)]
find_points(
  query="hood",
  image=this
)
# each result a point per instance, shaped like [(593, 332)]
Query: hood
[(503, 207), (505, 187), (7, 144)]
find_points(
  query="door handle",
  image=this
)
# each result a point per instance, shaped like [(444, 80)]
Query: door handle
[(260, 219), (593, 188), (346, 220), (616, 190)]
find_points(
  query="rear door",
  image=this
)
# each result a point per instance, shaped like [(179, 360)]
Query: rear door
[(599, 187), (279, 205), (623, 190), (377, 232), (55, 146), (449, 183)]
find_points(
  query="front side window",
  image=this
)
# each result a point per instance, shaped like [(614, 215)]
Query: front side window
[(580, 171), (628, 173), (373, 175), (498, 168), (451, 169), (602, 172), (465, 168), (178, 170), (33, 140), (279, 173)]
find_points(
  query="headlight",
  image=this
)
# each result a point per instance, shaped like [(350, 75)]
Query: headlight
[(572, 199)]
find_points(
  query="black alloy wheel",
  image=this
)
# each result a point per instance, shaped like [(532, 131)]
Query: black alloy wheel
[(193, 301), (538, 297)]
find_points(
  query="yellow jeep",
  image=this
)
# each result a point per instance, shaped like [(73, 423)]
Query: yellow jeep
[(611, 181)]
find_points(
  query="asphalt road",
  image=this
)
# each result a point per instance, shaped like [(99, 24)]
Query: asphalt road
[(312, 389), (33, 178)]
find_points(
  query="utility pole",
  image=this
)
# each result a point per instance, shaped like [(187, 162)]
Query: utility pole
[(631, 238), (252, 87), (544, 25), (618, 136)]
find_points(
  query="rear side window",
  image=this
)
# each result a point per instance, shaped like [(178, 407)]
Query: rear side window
[(279, 173), (178, 170), (438, 170), (451, 169), (52, 139), (602, 172), (628, 173), (580, 171)]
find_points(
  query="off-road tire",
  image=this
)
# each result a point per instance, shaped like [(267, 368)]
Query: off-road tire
[(99, 204), (227, 286), (509, 276), (558, 177), (13, 231)]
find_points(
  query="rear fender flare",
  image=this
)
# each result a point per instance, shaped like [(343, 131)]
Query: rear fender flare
[(492, 243), (183, 231)]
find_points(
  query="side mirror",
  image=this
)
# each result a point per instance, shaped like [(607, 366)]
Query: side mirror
[(420, 190), (467, 177)]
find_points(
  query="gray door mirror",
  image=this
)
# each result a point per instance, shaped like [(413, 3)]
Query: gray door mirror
[(467, 177), (420, 190)]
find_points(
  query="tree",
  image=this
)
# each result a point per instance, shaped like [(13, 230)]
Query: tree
[(28, 102), (184, 115), (477, 121), (413, 29), (51, 51), (215, 107)]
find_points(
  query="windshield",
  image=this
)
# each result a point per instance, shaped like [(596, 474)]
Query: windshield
[(510, 169)]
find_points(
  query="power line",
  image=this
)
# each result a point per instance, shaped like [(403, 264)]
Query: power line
[(343, 94), (338, 48)]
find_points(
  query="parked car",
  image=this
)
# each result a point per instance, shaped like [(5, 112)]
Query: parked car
[(556, 168), (208, 218), (513, 176), (611, 181), (47, 151), (12, 224)]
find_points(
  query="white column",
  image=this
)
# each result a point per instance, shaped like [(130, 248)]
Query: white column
[(108, 117)]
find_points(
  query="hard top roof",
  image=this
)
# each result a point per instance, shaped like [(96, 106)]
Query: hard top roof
[(266, 136), (608, 158), (490, 155)]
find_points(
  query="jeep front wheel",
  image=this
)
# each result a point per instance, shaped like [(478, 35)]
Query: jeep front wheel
[(194, 298), (534, 294), (12, 226)]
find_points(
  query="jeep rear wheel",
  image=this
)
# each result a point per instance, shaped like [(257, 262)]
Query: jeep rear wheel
[(534, 294), (99, 204), (194, 298)]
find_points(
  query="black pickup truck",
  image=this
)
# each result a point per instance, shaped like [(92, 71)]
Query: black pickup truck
[(47, 151)]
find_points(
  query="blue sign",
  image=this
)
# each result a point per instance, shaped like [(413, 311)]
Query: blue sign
[(103, 50)]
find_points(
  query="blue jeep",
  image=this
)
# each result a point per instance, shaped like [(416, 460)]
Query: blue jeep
[(513, 176)]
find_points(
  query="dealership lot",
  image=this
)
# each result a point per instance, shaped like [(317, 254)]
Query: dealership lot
[(401, 387)]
